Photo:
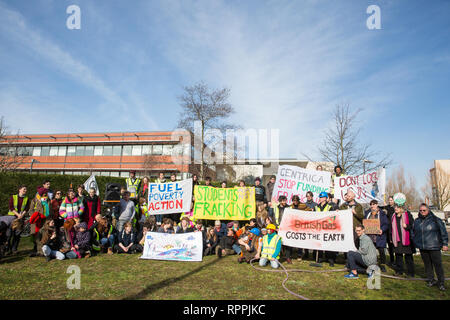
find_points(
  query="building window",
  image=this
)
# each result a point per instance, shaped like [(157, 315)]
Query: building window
[(45, 151), (126, 151), (89, 151), (53, 151), (124, 174), (146, 150), (62, 151), (167, 150), (98, 150), (115, 174), (157, 149), (107, 150), (136, 151), (71, 151), (79, 151), (117, 151)]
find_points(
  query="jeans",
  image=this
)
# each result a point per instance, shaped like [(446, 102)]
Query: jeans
[(433, 259), (273, 263), (71, 255), (52, 253), (108, 242), (355, 261), (237, 248)]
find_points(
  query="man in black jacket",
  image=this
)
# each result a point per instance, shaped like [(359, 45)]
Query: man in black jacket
[(225, 245), (260, 191), (430, 236)]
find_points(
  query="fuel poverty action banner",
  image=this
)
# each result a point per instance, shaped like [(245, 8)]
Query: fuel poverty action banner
[(328, 231), (170, 197)]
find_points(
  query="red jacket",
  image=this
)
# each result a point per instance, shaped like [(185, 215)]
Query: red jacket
[(38, 220)]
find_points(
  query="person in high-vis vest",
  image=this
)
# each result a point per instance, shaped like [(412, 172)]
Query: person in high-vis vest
[(324, 206), (19, 205), (103, 236), (133, 186), (277, 210), (271, 247), (338, 172)]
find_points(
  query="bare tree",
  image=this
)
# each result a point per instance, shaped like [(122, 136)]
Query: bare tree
[(341, 144), (210, 107), (440, 184), (11, 156), (398, 182)]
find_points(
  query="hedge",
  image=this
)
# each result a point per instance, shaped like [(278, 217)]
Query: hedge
[(10, 182)]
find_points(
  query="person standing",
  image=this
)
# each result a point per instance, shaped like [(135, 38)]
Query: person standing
[(19, 205), (71, 207), (260, 191), (133, 186), (430, 236), (389, 213), (92, 207), (127, 211), (324, 206), (277, 213), (379, 240), (309, 200), (270, 185), (39, 210), (81, 193), (357, 211), (144, 189), (402, 226), (161, 178), (56, 204)]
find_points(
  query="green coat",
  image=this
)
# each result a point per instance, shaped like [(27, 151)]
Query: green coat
[(358, 218)]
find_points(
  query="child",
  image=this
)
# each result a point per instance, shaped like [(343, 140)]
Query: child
[(211, 241), (167, 226), (127, 240), (82, 241)]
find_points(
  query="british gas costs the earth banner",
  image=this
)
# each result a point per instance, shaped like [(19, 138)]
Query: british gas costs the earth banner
[(328, 231), (236, 203)]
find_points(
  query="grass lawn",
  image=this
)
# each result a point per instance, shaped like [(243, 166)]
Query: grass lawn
[(128, 277)]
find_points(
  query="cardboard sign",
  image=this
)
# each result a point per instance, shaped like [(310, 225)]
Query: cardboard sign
[(371, 226)]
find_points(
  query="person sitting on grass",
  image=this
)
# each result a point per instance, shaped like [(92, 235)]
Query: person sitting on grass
[(67, 236), (225, 246), (127, 238), (185, 226), (211, 241), (249, 245), (151, 223), (362, 259), (103, 236), (167, 226), (140, 239), (82, 241), (50, 241), (270, 249)]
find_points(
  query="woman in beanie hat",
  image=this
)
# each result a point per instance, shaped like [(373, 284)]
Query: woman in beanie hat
[(82, 241)]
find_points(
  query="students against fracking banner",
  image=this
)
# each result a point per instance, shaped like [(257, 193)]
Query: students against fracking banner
[(292, 180), (170, 197), (367, 187), (328, 231), (175, 246), (236, 203)]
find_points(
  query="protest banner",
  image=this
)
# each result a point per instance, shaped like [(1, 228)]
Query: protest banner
[(92, 183), (371, 226), (236, 203), (367, 187), (329, 231), (175, 246), (292, 180), (170, 197)]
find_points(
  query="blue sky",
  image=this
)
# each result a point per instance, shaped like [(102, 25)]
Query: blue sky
[(288, 63)]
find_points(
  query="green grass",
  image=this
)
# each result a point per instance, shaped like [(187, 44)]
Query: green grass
[(128, 277)]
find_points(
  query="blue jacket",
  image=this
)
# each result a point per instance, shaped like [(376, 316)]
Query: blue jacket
[(384, 226), (430, 232)]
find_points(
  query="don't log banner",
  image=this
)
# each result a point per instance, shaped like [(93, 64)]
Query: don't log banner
[(328, 231)]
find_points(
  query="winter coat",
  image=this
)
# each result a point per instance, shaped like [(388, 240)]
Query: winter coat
[(430, 232), (161, 230), (227, 242), (66, 238), (367, 250), (188, 229), (82, 239), (269, 189), (400, 248), (380, 240), (223, 231), (71, 209), (358, 218), (92, 207), (46, 234), (260, 193), (127, 238)]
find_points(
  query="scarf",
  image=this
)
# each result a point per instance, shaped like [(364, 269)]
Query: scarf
[(45, 207), (405, 233)]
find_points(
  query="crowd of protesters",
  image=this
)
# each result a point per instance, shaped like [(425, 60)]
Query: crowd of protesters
[(73, 226)]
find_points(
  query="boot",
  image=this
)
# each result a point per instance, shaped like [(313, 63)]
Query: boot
[(110, 251)]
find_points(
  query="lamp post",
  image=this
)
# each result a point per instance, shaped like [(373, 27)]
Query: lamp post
[(33, 161), (364, 164)]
